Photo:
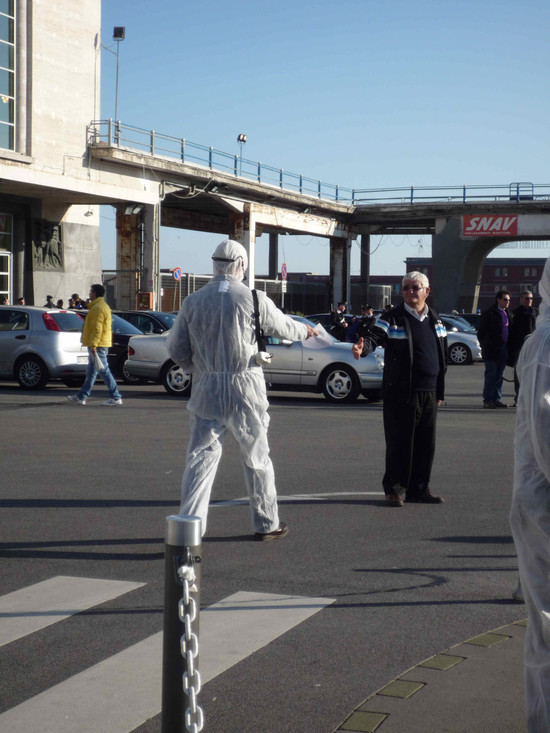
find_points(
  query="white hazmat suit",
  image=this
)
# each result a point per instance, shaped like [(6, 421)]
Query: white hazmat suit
[(530, 512), (214, 338)]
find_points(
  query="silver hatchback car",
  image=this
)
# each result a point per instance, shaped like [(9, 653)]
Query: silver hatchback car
[(39, 344), (331, 370)]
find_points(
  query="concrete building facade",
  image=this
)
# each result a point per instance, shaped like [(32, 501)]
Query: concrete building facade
[(50, 186)]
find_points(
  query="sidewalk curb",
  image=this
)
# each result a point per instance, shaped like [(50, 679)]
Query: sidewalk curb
[(385, 706)]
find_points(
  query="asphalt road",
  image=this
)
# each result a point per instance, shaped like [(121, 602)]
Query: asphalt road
[(85, 492)]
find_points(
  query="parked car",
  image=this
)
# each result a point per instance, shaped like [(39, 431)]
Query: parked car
[(463, 346), (39, 344), (472, 318), (331, 370), (148, 321)]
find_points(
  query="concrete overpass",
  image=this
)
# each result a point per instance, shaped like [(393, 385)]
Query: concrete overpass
[(201, 189)]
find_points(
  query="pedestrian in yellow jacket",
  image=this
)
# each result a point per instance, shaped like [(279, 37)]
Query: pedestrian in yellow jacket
[(97, 335)]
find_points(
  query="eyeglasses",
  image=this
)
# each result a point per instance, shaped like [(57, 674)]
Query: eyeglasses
[(527, 297), (415, 288)]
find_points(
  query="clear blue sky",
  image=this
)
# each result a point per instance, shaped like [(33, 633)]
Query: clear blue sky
[(360, 93)]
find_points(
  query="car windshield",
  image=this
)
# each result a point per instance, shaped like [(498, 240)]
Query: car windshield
[(461, 325), (310, 322), (122, 326), (167, 319)]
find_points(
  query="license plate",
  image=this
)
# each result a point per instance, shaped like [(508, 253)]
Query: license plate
[(82, 359)]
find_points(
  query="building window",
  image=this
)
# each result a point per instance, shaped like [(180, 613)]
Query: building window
[(525, 272), (6, 232), (7, 74), (533, 272)]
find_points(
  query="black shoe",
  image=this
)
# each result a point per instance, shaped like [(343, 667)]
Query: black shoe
[(425, 498), (500, 405), (490, 405), (394, 500), (282, 531)]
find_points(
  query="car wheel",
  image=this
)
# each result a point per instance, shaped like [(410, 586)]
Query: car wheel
[(460, 354), (124, 374), (31, 373), (340, 384), (176, 380)]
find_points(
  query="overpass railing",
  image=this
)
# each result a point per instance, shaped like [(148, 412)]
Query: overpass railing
[(518, 191), (150, 142)]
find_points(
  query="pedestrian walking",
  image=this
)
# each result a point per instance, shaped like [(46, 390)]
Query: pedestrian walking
[(214, 337), (97, 335)]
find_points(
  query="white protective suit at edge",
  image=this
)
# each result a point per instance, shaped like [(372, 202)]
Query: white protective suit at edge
[(530, 512), (214, 338)]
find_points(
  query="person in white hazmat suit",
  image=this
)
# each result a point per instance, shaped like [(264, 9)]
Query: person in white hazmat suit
[(214, 338), (530, 511)]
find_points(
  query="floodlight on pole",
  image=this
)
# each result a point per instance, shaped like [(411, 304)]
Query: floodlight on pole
[(241, 140), (119, 33)]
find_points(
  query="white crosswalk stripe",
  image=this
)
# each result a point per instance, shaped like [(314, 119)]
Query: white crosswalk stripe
[(42, 604), (124, 690)]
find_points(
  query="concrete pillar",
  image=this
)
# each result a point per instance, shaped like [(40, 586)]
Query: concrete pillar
[(273, 256), (365, 259), (339, 270), (364, 279), (128, 259), (245, 232), (457, 264), (151, 279)]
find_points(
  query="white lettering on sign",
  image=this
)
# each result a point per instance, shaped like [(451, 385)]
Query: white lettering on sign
[(489, 226)]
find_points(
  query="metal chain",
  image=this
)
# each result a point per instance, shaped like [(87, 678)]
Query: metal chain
[(187, 611)]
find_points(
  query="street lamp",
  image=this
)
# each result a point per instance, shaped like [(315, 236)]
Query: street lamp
[(241, 140), (119, 33)]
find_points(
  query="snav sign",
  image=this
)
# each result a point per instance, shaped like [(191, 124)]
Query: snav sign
[(489, 226)]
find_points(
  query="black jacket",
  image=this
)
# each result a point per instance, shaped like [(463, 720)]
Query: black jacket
[(392, 331), (489, 333), (522, 325)]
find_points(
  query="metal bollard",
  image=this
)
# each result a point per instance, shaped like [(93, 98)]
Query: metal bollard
[(181, 560)]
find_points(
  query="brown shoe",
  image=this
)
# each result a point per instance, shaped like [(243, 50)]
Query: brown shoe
[(394, 500), (282, 531), (425, 498)]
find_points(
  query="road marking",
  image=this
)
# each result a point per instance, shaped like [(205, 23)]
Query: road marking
[(298, 497), (42, 604), (124, 691)]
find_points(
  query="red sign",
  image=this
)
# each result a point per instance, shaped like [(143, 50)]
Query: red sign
[(284, 271), (489, 226)]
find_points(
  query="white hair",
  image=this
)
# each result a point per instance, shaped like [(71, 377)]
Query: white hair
[(415, 276)]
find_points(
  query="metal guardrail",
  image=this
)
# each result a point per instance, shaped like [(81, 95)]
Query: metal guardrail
[(117, 134), (154, 143), (520, 191)]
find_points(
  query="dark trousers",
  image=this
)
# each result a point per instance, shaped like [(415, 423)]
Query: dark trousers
[(494, 376), (409, 428)]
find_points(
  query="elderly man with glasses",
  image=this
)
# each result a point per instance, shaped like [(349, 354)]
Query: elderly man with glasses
[(493, 335), (415, 343)]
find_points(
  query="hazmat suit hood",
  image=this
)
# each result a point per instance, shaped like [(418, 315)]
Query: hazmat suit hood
[(230, 258)]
